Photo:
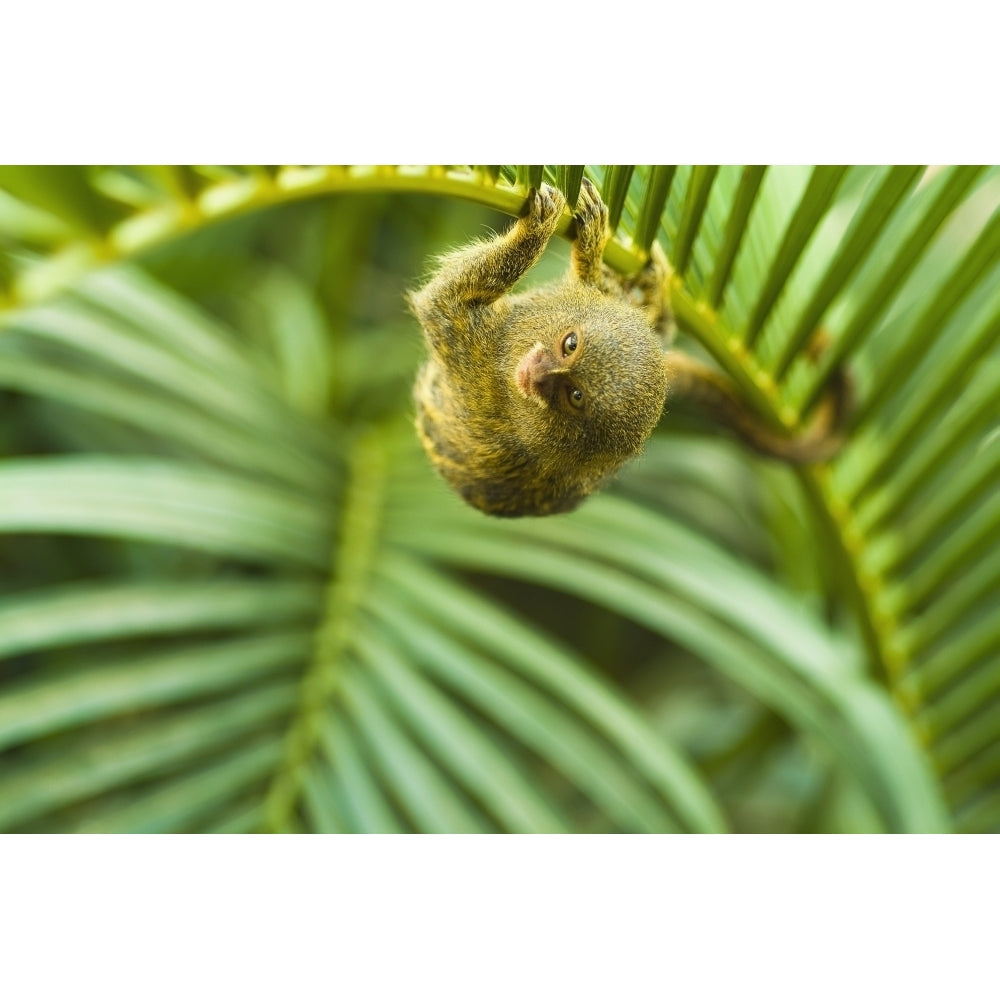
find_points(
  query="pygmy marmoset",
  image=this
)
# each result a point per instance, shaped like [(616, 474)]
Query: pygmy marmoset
[(529, 401)]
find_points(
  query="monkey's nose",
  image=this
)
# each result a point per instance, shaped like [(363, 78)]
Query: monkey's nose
[(532, 369)]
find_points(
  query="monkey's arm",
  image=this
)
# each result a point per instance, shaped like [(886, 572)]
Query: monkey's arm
[(691, 381), (591, 236), (481, 274)]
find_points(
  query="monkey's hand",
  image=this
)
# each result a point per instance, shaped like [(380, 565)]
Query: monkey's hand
[(524, 242), (645, 290), (542, 209), (591, 235)]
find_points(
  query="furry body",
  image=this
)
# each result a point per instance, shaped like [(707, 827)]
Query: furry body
[(516, 423), (528, 402)]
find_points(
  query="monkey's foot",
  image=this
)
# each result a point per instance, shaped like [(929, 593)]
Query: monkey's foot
[(591, 234), (648, 291)]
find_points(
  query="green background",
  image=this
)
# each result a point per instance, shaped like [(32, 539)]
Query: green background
[(235, 597)]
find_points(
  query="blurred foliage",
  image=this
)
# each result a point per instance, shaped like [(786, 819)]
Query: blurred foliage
[(235, 597)]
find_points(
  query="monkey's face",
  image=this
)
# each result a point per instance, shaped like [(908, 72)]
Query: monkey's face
[(546, 374), (594, 382)]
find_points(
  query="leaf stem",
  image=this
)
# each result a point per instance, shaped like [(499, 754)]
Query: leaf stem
[(355, 551)]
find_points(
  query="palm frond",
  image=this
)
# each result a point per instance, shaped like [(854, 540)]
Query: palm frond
[(272, 616)]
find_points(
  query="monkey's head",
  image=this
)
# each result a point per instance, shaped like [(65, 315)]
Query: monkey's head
[(589, 373)]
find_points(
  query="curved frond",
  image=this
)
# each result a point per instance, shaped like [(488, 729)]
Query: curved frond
[(238, 599)]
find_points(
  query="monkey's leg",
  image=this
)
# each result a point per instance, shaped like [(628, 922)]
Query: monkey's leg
[(591, 235), (647, 290)]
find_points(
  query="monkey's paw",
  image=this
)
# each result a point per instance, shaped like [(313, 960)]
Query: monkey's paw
[(545, 205), (591, 234), (591, 215)]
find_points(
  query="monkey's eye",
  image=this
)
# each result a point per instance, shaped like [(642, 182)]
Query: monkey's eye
[(575, 397), (570, 343)]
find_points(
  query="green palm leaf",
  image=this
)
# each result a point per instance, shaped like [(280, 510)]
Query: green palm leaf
[(250, 604)]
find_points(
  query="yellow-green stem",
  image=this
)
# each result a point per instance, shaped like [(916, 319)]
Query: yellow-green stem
[(354, 552)]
